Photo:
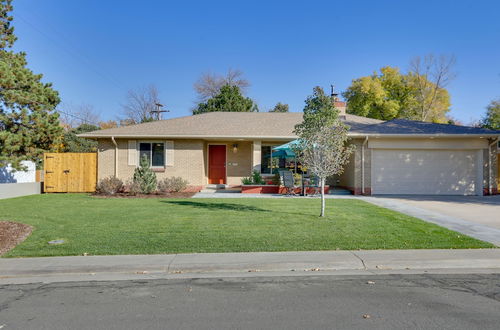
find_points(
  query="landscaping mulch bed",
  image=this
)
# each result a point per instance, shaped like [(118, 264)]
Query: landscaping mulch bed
[(160, 195), (11, 234)]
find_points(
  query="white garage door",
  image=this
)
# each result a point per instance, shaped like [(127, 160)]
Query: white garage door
[(426, 172)]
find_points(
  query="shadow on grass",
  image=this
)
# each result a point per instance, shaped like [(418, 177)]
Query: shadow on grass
[(217, 206)]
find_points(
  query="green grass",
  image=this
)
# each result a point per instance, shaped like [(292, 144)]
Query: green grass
[(101, 226)]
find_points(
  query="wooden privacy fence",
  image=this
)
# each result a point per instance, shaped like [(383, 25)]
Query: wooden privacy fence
[(70, 172)]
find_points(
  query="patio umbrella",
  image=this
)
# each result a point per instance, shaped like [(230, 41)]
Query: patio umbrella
[(286, 149)]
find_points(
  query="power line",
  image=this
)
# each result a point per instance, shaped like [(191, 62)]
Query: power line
[(72, 115)]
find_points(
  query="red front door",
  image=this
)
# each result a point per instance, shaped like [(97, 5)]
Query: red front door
[(216, 164)]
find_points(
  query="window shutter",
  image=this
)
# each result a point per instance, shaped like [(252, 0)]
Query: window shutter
[(169, 153), (132, 152)]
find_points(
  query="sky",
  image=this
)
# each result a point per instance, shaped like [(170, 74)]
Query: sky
[(94, 51)]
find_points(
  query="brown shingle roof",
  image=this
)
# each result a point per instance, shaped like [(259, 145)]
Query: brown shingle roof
[(272, 126), (261, 125)]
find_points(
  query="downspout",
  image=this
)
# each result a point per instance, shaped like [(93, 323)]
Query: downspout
[(363, 165), (490, 185), (116, 156)]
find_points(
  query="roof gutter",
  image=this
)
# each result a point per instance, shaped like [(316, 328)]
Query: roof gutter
[(290, 137), (170, 136), (377, 135), (116, 156)]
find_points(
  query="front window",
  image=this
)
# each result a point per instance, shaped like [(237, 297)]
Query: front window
[(154, 152)]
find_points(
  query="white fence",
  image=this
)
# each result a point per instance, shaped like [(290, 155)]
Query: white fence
[(10, 175), (19, 183)]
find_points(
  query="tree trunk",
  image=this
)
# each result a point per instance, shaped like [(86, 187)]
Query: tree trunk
[(322, 185)]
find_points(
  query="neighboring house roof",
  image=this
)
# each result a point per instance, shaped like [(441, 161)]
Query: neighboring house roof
[(268, 125), (411, 127)]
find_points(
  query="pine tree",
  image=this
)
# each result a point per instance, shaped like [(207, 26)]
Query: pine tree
[(145, 177), (29, 124), (229, 99)]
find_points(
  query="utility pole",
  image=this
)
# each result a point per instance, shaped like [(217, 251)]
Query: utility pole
[(157, 113)]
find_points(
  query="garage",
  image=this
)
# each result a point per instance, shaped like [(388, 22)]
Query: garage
[(426, 171)]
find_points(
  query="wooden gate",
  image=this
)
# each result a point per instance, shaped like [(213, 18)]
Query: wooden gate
[(70, 172)]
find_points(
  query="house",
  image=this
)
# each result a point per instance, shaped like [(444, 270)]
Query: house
[(391, 157)]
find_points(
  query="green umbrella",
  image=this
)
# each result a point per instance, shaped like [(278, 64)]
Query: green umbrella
[(286, 149)]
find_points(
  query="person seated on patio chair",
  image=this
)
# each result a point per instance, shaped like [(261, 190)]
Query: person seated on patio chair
[(288, 182)]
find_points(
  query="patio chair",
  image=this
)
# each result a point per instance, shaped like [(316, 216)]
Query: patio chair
[(288, 182), (313, 182)]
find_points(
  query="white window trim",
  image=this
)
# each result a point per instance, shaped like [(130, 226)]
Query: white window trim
[(151, 153)]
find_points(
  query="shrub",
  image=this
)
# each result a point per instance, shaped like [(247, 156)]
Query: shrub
[(145, 177), (247, 181), (110, 185), (257, 178), (173, 184), (133, 188)]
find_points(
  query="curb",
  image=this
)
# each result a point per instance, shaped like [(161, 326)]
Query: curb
[(366, 262)]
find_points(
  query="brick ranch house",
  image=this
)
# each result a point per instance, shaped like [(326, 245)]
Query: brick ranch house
[(391, 157)]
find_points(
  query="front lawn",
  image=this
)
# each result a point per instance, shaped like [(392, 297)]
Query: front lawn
[(147, 226)]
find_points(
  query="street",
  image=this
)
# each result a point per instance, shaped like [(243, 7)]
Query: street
[(301, 302)]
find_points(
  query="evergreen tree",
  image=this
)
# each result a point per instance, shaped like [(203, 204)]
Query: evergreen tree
[(145, 177), (229, 99), (73, 143), (280, 107), (29, 124), (319, 112)]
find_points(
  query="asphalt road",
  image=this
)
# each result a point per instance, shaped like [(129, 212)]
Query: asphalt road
[(312, 302)]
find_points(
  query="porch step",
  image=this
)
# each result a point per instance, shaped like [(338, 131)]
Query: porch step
[(220, 189), (339, 191)]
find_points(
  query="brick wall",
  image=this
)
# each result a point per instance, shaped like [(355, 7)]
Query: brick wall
[(239, 164), (188, 161)]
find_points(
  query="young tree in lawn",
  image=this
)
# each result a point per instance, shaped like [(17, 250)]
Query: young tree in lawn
[(323, 146), (29, 124)]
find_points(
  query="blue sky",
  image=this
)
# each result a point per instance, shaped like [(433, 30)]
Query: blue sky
[(94, 51)]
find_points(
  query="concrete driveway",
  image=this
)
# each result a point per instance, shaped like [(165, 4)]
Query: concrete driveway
[(483, 210), (476, 216)]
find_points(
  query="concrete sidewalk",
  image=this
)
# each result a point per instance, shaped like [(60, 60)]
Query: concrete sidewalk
[(366, 262)]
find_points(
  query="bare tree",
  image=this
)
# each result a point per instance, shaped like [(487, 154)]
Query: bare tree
[(209, 84), (140, 103), (325, 152), (72, 116), (430, 75)]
